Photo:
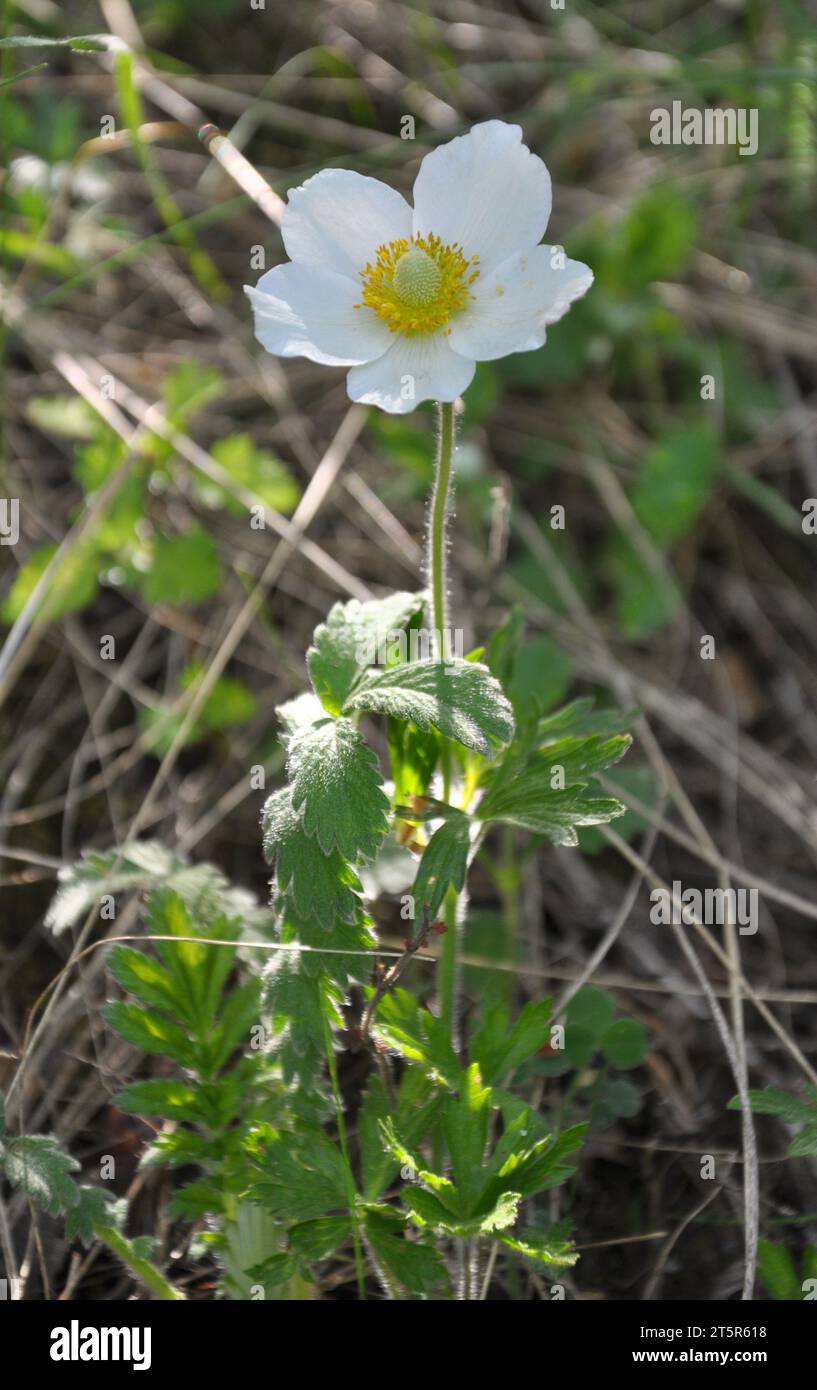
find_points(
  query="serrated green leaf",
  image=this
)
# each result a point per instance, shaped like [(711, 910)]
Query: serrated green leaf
[(37, 1164), (336, 783), (544, 1250), (277, 1269), (351, 640), (419, 1268), (321, 885), (144, 977), (443, 864), (319, 1238), (772, 1101), (304, 1177), (172, 1100), (150, 1032), (93, 1209), (413, 1114), (415, 1033), (461, 699), (426, 1210), (527, 797), (465, 1126), (500, 1049)]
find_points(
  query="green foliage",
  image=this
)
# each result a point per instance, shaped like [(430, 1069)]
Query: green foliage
[(349, 642), (444, 863), (145, 864), (792, 1109), (483, 1196), (37, 1164), (336, 782), (185, 568), (777, 1271), (549, 789), (458, 698)]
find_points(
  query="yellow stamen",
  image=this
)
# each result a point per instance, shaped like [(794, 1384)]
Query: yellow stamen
[(417, 286)]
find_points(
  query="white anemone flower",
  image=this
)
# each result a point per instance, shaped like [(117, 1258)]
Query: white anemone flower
[(411, 301)]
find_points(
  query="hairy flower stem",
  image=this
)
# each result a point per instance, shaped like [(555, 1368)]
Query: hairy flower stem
[(437, 568)]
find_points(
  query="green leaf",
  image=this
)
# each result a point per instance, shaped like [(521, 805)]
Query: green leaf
[(150, 1032), (321, 885), (415, 1033), (528, 801), (72, 585), (804, 1143), (254, 469), (304, 1176), (465, 1126), (419, 1268), (543, 1249), (625, 1043), (541, 674), (89, 44), (37, 1164), (443, 864), (188, 388), (775, 1268), (277, 1269), (675, 482), (144, 977), (93, 1209), (351, 640), (414, 1113), (533, 1169), (185, 568), (426, 1210), (772, 1101), (336, 782), (319, 1238), (172, 1100), (459, 698), (148, 864), (613, 1099), (500, 1049)]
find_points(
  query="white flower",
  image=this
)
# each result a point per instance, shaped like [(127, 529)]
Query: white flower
[(411, 301)]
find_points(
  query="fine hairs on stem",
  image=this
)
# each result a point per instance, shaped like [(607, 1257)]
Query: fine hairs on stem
[(440, 507)]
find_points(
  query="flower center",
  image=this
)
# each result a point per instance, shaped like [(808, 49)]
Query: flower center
[(416, 286)]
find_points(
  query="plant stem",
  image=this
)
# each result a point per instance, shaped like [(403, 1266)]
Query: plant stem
[(438, 583), (351, 1194), (437, 553), (143, 1269)]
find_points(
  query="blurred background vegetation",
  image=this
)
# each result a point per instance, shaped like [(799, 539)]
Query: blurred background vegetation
[(140, 421)]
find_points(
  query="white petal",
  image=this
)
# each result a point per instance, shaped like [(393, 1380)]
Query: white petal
[(418, 368), (513, 303), (486, 191), (304, 311), (338, 219)]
